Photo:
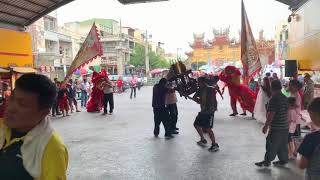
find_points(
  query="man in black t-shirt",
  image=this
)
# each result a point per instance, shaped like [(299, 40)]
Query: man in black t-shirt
[(277, 123), (310, 147), (204, 121), (160, 111)]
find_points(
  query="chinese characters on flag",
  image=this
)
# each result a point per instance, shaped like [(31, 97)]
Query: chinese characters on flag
[(249, 53)]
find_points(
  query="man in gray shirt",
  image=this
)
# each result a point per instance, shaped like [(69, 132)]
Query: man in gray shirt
[(108, 98), (277, 123)]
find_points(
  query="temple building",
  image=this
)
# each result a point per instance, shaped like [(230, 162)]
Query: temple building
[(222, 49)]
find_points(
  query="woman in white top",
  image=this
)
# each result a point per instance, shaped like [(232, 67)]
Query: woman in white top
[(294, 114), (263, 97)]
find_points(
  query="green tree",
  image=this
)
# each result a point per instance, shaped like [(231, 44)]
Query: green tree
[(138, 57), (155, 61)]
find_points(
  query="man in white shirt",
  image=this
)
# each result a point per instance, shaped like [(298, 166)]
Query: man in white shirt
[(108, 98), (84, 92), (171, 104)]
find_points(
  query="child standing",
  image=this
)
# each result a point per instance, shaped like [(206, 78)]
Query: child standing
[(293, 118), (63, 100), (309, 150)]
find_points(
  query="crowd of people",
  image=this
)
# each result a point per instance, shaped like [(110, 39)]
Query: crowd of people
[(35, 151), (66, 98), (29, 146), (279, 106), (68, 94)]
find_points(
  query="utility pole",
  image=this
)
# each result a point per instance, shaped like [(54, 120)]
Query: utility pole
[(178, 55), (147, 54)]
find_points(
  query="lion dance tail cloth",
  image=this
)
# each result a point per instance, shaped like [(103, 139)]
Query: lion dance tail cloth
[(246, 97), (95, 102)]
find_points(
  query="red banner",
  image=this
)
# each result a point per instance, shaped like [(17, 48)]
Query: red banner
[(249, 52), (90, 49)]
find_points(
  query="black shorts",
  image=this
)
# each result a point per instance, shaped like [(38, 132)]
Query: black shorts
[(204, 120)]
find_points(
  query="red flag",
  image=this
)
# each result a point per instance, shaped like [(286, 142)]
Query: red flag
[(249, 53), (90, 49)]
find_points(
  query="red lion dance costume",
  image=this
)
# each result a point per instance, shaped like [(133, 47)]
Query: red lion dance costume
[(238, 92), (99, 81)]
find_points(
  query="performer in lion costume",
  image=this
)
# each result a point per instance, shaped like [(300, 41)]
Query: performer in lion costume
[(238, 92), (99, 81)]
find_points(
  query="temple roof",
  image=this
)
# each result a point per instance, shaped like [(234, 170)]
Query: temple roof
[(198, 41), (221, 37)]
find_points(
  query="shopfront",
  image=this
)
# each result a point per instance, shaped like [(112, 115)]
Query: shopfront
[(15, 55)]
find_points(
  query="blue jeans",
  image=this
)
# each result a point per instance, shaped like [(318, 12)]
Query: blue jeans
[(84, 98)]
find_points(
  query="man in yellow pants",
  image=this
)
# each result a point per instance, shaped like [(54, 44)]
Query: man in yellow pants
[(29, 147)]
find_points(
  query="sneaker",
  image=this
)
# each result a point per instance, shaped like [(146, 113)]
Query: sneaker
[(168, 136), (243, 114), (78, 111), (175, 132), (156, 135), (177, 129), (110, 113), (202, 142), (214, 148), (262, 163), (279, 163), (233, 114)]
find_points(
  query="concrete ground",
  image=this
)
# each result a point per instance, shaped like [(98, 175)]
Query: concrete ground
[(121, 146)]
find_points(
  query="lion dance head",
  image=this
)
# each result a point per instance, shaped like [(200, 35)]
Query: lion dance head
[(230, 75)]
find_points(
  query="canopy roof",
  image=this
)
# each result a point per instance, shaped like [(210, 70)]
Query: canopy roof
[(293, 4), (22, 13), (138, 1)]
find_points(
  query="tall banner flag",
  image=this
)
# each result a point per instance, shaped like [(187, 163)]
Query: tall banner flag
[(90, 49), (249, 53)]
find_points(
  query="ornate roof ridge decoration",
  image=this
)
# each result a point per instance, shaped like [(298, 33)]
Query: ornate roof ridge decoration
[(221, 32), (221, 37), (198, 40)]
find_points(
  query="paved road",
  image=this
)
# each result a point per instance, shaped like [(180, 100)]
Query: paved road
[(121, 146)]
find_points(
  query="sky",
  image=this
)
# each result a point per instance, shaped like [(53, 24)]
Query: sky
[(173, 22)]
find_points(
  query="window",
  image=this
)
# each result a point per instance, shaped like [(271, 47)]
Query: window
[(67, 52), (50, 46), (49, 24), (61, 50), (101, 33)]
